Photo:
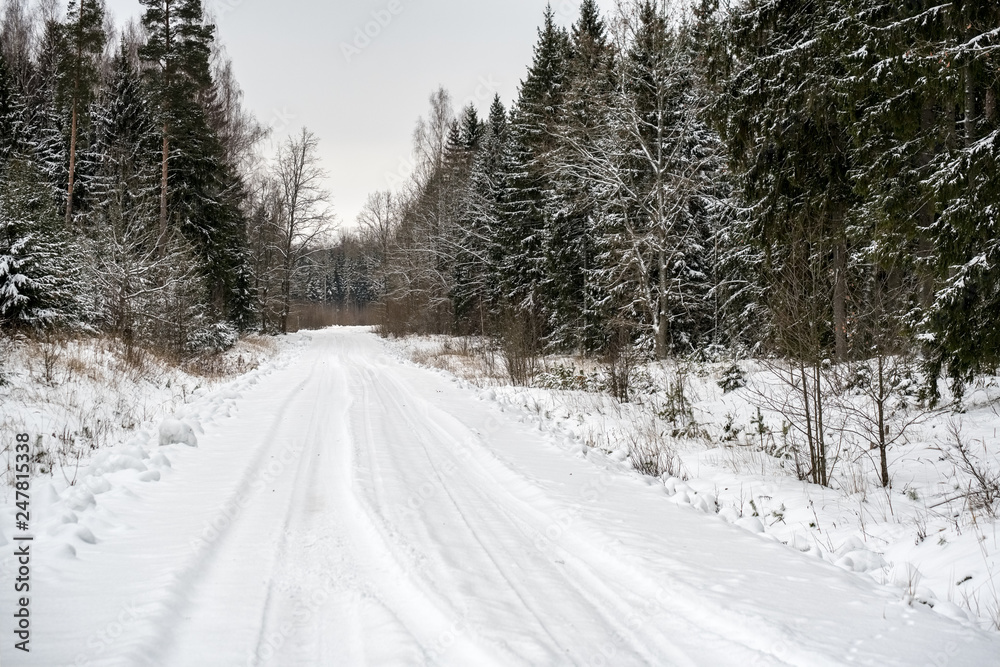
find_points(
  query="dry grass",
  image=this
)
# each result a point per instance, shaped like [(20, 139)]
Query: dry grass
[(651, 449), (245, 357), (467, 358), (75, 396)]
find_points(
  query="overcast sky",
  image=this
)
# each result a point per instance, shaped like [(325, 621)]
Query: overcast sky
[(290, 59)]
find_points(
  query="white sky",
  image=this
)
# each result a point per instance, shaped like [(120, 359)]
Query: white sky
[(289, 60)]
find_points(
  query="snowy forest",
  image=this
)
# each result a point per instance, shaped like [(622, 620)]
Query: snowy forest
[(135, 199), (814, 181), (811, 180)]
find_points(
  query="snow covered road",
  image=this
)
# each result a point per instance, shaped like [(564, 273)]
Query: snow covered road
[(357, 510)]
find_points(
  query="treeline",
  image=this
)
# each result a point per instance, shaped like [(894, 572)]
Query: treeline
[(134, 199), (814, 180)]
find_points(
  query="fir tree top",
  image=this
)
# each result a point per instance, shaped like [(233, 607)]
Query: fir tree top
[(472, 129), (589, 28), (541, 91), (498, 117)]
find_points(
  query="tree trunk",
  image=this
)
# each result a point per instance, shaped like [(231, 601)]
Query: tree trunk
[(661, 307), (840, 299), (925, 245), (286, 279), (168, 39), (163, 186), (971, 107), (880, 406), (72, 166), (813, 458), (286, 290), (823, 478)]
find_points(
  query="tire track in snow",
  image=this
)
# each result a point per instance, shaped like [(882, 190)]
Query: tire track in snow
[(153, 649), (460, 577), (529, 521), (728, 634)]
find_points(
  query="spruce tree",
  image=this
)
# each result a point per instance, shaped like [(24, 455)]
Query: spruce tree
[(8, 113), (37, 267), (124, 152), (570, 251), (198, 189), (484, 227), (925, 140), (465, 145), (964, 331), (790, 151), (472, 129), (533, 127), (44, 126)]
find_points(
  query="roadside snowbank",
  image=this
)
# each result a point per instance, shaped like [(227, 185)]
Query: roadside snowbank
[(98, 423)]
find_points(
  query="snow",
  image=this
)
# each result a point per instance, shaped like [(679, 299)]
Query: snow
[(347, 507), (922, 529), (174, 431)]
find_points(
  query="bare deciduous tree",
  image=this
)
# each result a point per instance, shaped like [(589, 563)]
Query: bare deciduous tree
[(377, 221), (306, 213)]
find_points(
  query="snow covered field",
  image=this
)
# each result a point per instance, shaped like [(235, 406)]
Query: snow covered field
[(345, 506)]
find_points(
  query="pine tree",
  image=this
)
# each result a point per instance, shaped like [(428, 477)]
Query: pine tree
[(199, 190), (177, 53), (84, 39)]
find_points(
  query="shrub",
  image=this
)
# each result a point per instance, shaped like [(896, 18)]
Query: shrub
[(732, 379), (213, 339)]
